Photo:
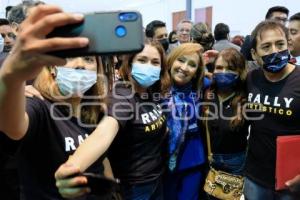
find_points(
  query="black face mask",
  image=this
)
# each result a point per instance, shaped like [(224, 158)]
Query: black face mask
[(7, 48), (164, 43)]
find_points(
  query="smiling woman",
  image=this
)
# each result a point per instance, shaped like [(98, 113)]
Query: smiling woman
[(185, 148)]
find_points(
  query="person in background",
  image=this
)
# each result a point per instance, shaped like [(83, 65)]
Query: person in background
[(134, 131), (8, 35), (18, 13), (156, 30), (227, 126), (173, 38), (201, 34), (238, 40), (186, 157), (273, 100), (294, 42), (221, 34), (183, 33), (278, 13)]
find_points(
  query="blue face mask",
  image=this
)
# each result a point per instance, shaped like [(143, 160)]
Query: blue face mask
[(144, 74), (225, 80), (75, 82), (276, 62)]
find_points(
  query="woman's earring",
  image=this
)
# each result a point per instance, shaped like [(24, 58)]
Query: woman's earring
[(53, 71)]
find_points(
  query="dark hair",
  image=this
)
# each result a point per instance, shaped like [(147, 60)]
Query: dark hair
[(152, 26), (266, 25), (276, 9), (18, 13), (221, 31), (201, 33), (7, 9), (237, 63), (3, 22), (171, 35), (163, 85), (295, 17)]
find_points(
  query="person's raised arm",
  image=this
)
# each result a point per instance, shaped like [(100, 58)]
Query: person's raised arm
[(26, 61), (68, 179), (96, 144)]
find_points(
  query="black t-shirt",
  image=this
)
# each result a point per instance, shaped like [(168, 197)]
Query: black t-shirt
[(8, 148), (46, 145), (280, 104), (136, 153), (224, 138)]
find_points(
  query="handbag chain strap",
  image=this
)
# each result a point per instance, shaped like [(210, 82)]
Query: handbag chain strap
[(210, 154)]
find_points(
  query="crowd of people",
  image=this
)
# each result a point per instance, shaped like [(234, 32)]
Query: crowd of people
[(192, 102)]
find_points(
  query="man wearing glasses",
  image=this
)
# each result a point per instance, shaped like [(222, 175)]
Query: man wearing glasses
[(184, 32)]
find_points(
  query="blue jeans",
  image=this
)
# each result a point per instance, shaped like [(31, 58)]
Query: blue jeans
[(254, 191), (146, 191), (231, 163)]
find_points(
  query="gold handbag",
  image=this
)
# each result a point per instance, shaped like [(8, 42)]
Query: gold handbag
[(220, 184), (223, 185)]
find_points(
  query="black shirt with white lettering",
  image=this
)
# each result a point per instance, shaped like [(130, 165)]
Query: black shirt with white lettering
[(136, 153), (279, 102), (48, 143)]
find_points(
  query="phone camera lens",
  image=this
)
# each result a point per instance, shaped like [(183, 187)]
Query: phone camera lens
[(120, 31), (127, 17)]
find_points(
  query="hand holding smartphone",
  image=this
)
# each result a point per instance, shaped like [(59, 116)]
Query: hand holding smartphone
[(101, 185), (116, 32)]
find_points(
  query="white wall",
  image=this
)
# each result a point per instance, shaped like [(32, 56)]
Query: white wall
[(241, 16)]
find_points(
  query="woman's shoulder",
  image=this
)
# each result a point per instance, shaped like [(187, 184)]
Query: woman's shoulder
[(37, 103)]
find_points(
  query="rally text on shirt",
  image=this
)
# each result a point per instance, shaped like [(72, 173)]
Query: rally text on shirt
[(153, 119), (266, 103)]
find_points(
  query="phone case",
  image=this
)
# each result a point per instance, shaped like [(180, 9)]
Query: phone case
[(101, 28)]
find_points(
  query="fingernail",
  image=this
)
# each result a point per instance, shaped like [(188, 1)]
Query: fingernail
[(83, 42), (288, 183), (78, 16)]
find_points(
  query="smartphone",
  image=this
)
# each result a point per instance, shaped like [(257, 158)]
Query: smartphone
[(115, 32), (101, 185)]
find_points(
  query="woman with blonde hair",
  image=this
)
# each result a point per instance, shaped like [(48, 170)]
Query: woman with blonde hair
[(185, 147)]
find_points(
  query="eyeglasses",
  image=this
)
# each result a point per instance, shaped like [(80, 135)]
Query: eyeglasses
[(184, 31)]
